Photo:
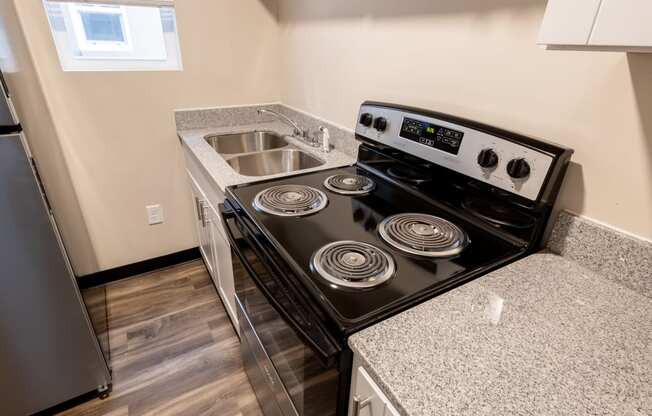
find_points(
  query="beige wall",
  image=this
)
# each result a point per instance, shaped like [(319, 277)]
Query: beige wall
[(478, 59), (107, 139), (117, 129), (42, 136)]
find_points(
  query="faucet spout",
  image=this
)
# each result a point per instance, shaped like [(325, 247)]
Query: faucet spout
[(298, 131)]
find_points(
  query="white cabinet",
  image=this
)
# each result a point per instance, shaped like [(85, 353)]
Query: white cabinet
[(225, 284), (366, 397), (623, 22), (213, 244), (612, 25), (202, 226), (568, 22)]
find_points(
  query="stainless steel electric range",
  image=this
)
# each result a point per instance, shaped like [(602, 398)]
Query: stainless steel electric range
[(433, 202)]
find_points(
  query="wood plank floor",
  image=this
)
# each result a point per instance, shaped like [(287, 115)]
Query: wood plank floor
[(174, 349)]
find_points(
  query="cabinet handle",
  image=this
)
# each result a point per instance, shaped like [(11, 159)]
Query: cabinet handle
[(358, 404), (204, 217), (198, 208)]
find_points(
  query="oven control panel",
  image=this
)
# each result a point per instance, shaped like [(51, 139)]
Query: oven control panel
[(505, 164)]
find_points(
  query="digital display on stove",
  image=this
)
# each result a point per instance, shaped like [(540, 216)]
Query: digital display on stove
[(432, 135)]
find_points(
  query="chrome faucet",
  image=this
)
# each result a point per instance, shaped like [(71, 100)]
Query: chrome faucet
[(298, 131)]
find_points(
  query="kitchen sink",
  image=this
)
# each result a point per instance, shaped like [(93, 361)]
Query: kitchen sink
[(273, 162), (253, 141)]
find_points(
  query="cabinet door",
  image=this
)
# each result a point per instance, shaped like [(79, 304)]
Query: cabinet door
[(202, 226), (222, 273), (568, 22), (214, 246), (623, 23), (224, 269), (368, 398)]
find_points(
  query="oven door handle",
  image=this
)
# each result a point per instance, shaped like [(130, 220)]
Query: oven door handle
[(227, 213)]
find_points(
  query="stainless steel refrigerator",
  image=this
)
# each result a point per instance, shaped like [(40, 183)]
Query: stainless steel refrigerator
[(49, 352)]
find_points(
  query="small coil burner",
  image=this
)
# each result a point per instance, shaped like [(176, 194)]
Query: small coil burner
[(354, 265), (423, 235), (290, 200), (349, 184)]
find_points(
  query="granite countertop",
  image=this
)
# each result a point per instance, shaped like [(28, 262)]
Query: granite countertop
[(225, 176), (544, 335)]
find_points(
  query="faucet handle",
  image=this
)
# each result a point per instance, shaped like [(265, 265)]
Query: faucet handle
[(325, 139), (325, 134)]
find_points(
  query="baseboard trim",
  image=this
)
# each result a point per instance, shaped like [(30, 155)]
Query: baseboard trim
[(69, 404), (145, 266)]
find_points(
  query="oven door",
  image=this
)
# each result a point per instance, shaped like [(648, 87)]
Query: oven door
[(290, 359)]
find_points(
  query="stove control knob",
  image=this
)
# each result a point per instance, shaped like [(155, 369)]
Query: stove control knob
[(488, 158), (366, 119), (380, 124), (518, 168)]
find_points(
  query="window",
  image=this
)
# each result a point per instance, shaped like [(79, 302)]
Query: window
[(115, 34), (100, 28)]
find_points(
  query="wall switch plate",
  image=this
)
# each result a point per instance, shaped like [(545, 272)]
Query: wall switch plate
[(154, 214)]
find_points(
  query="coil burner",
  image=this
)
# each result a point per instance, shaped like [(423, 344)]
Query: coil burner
[(353, 264), (349, 184), (423, 235), (290, 200)]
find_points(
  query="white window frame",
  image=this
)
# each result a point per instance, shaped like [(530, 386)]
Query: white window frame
[(67, 29), (95, 45)]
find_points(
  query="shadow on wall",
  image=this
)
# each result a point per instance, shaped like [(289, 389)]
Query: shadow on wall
[(573, 191), (302, 10), (640, 69), (271, 6)]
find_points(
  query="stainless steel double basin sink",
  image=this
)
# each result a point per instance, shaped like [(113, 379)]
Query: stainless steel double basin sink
[(261, 153)]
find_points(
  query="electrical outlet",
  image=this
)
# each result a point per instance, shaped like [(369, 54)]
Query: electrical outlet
[(154, 214)]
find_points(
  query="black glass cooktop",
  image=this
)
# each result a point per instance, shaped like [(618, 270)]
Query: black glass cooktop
[(357, 218)]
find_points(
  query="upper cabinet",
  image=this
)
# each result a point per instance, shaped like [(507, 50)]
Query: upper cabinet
[(612, 25), (623, 23), (568, 22)]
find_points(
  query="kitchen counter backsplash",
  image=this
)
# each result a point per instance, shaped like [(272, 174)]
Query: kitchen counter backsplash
[(222, 116), (625, 259), (342, 139)]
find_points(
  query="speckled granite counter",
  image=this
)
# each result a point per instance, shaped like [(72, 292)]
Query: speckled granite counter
[(236, 120), (543, 336)]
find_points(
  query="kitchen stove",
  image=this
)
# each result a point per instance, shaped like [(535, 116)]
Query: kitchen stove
[(349, 184), (296, 240), (469, 198)]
